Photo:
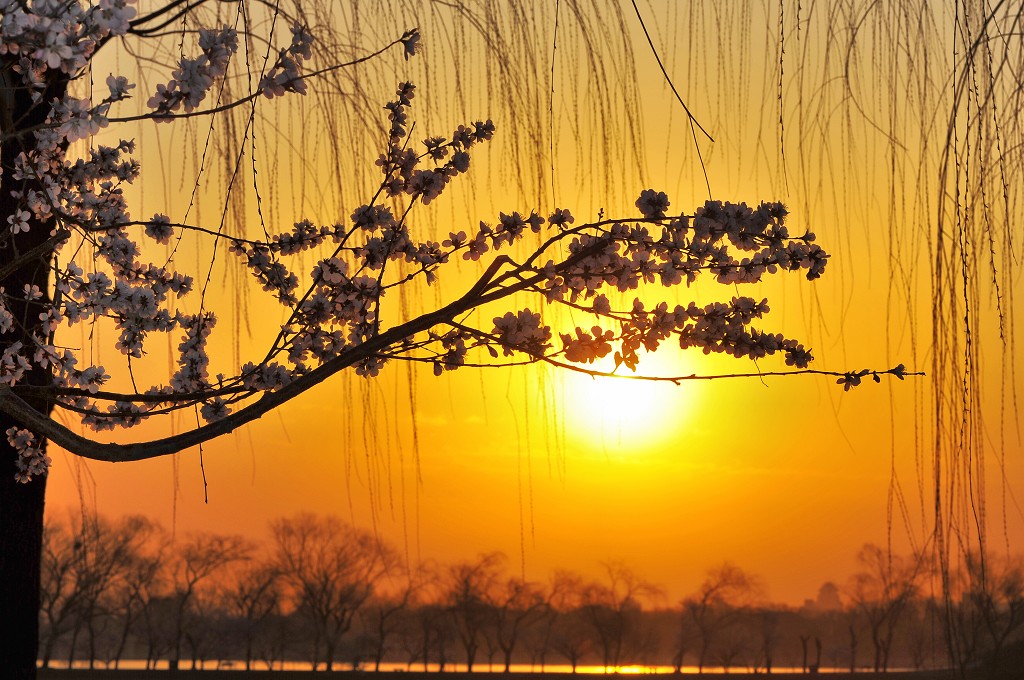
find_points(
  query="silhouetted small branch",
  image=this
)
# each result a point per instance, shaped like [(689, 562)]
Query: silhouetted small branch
[(43, 249)]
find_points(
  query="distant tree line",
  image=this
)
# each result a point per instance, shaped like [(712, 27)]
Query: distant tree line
[(332, 595)]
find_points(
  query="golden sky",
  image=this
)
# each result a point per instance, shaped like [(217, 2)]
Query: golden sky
[(785, 477)]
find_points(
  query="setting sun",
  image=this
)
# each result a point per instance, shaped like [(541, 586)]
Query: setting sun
[(622, 412)]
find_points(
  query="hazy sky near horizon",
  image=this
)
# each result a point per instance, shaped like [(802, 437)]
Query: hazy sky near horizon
[(785, 477)]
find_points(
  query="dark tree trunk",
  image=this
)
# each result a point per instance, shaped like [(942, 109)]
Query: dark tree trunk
[(876, 641), (71, 647), (123, 640), (329, 653), (705, 646), (47, 654), (426, 650), (677, 662), (21, 540), (91, 631), (21, 505)]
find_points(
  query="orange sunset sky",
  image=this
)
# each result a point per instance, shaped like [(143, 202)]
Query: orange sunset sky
[(786, 477)]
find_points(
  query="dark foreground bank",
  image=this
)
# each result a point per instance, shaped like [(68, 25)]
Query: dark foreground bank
[(62, 674)]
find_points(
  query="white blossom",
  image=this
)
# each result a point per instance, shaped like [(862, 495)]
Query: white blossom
[(32, 461)]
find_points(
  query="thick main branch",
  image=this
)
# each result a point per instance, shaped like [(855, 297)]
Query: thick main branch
[(63, 436)]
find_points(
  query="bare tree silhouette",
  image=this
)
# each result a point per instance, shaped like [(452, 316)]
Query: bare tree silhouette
[(332, 569), (609, 608), (570, 636), (712, 611), (882, 592), (253, 597), (517, 604), (382, 620), (198, 561), (469, 593)]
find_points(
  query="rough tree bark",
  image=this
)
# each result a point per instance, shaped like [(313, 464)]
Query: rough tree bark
[(21, 505)]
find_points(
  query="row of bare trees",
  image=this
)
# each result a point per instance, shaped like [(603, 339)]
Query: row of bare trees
[(327, 593)]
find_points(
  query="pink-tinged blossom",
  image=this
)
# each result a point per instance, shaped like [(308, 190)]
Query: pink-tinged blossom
[(75, 119), (268, 377), (194, 77), (31, 462), (561, 218), (510, 228), (13, 364), (483, 130), (426, 184), (652, 204), (192, 80), (849, 381), (436, 147), (410, 42), (523, 332), (87, 193), (118, 86), (91, 378), (535, 221), (111, 16), (455, 240), (218, 46), (460, 161), (19, 221), (119, 414), (214, 409), (283, 77), (159, 229), (193, 362), (54, 50), (373, 217), (164, 100), (302, 42), (587, 347), (463, 137), (370, 367), (6, 318), (476, 248), (332, 271)]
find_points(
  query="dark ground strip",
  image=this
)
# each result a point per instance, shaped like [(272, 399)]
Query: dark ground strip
[(63, 674)]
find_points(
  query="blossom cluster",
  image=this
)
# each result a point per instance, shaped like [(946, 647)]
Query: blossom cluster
[(852, 379), (58, 35), (339, 309), (194, 77), (333, 308), (626, 255), (284, 76), (32, 460), (400, 163), (45, 45), (733, 242), (522, 332)]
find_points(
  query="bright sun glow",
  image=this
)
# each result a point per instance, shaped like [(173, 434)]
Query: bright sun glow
[(619, 414)]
